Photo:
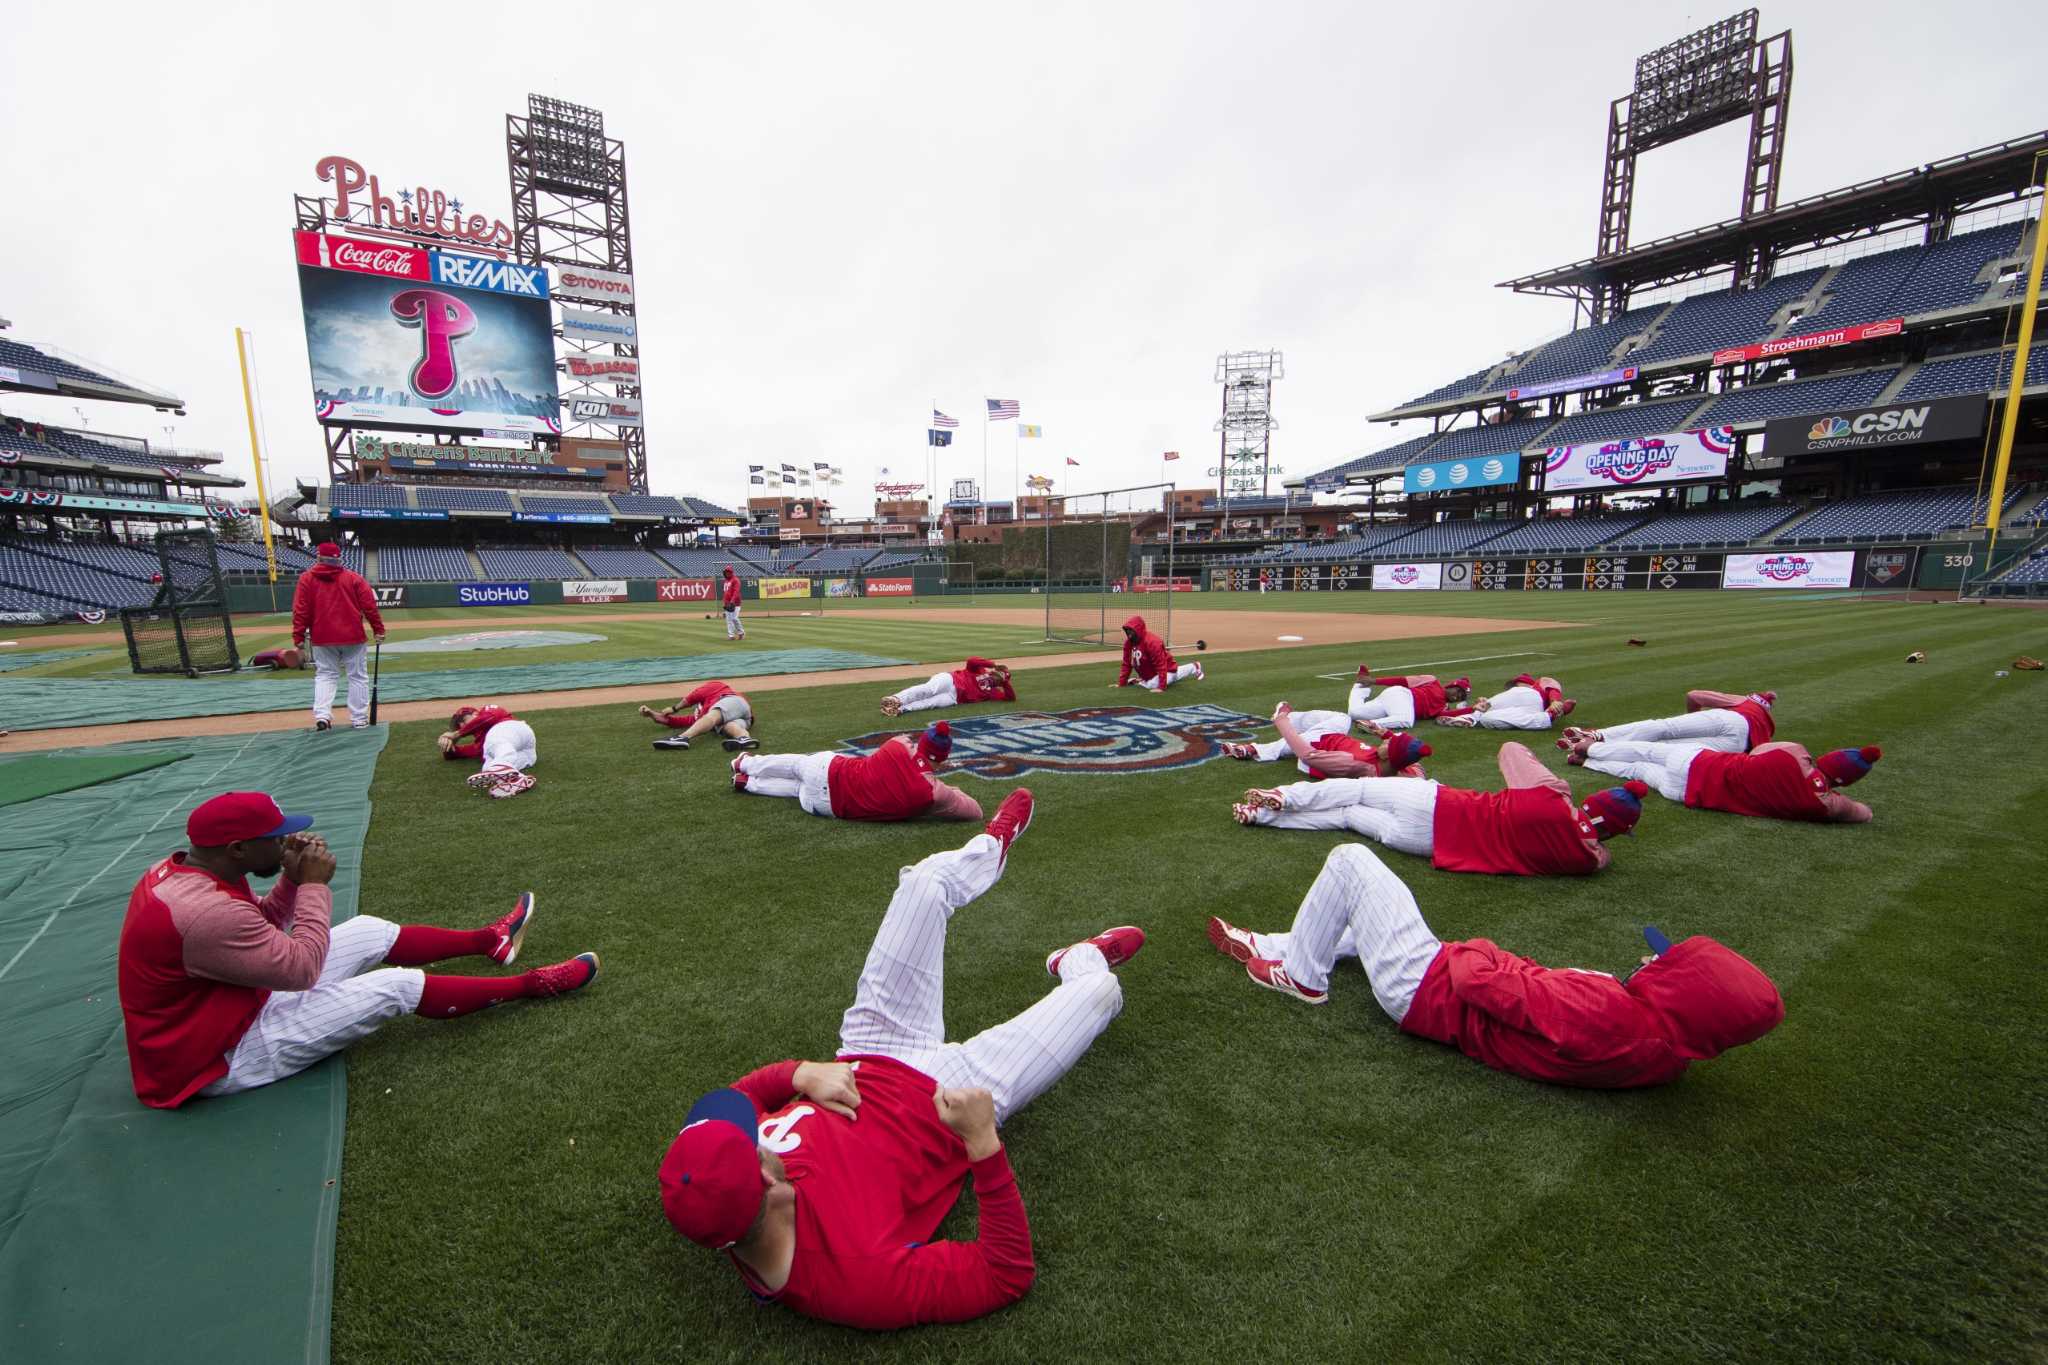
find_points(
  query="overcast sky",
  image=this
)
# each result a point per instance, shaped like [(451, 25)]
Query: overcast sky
[(842, 214)]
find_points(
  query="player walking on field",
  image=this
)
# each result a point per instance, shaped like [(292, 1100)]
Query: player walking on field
[(1728, 722), (1528, 704), (1320, 744), (329, 605), (1687, 1002), (729, 596), (824, 1181), (1148, 662), (221, 992), (712, 706), (895, 782), (977, 680), (1532, 829), (1778, 781), (1404, 699), (499, 740)]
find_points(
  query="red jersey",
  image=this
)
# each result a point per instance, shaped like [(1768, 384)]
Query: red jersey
[(870, 1193), (1346, 744), (884, 785), (731, 593), (970, 683), (330, 603), (1574, 1027), (1761, 726), (469, 740), (1523, 831), (1769, 786), (1430, 700), (1147, 655)]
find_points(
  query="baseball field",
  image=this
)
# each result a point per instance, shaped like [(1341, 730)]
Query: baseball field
[(1230, 1174)]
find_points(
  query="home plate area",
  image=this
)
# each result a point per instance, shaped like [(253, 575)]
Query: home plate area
[(1089, 739)]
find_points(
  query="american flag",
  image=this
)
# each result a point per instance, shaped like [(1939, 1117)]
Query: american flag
[(939, 419), (1001, 408)]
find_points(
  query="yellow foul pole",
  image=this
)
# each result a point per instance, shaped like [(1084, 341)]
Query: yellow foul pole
[(256, 458), (2009, 422)]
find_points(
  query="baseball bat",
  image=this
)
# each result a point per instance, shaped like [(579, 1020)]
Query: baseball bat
[(376, 673)]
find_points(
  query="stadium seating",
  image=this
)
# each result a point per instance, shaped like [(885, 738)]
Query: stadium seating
[(71, 583), (1724, 525), (1985, 372), (697, 507), (1913, 514), (624, 563), (1361, 546), (1474, 382), (1860, 290), (246, 558), (464, 499), (1393, 457), (16, 355), (891, 560), (1705, 323), (1443, 538), (1551, 535), (352, 557), (1498, 439), (516, 564), (836, 561), (423, 564), (2033, 569), (647, 505), (125, 561), (1762, 402), (559, 505), (2037, 513), (707, 563), (1623, 423), (1946, 275), (1586, 351), (353, 495)]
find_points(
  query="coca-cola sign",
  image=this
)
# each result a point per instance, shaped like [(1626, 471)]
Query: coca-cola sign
[(417, 212), (389, 259)]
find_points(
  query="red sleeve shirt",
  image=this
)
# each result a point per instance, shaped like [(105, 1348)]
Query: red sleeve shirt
[(1523, 832), (1761, 726), (870, 1193), (470, 738), (885, 785), (731, 592), (1346, 744), (1767, 786), (704, 696)]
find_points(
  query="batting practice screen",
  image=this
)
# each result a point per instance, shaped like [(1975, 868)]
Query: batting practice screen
[(1092, 541)]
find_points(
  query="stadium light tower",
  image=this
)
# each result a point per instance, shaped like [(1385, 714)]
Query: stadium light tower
[(1701, 81), (1246, 427)]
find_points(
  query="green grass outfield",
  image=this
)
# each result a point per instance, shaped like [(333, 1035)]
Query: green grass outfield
[(1230, 1174)]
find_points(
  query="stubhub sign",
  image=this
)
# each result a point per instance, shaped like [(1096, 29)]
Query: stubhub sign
[(1474, 471), (493, 594)]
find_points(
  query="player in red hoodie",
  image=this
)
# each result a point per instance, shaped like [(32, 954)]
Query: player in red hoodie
[(502, 742), (1148, 662), (1777, 781), (824, 1182), (729, 598), (1529, 703), (1403, 700), (330, 604), (712, 706), (1729, 722), (1687, 1002), (1532, 829), (977, 680), (896, 782)]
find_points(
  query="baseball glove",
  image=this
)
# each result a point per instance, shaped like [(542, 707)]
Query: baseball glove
[(2028, 662)]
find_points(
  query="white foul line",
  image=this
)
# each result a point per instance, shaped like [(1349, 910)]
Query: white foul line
[(1433, 663)]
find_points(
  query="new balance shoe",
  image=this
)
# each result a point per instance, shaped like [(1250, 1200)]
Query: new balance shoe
[(739, 774), (1365, 673), (1234, 943), (544, 983), (1274, 977), (512, 786), (1264, 798), (670, 742), (1118, 945), (1012, 818), (742, 745), (511, 930)]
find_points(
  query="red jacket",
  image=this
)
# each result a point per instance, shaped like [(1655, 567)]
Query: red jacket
[(1430, 700), (887, 784), (1147, 655), (731, 592), (704, 696), (1586, 1028), (969, 684), (330, 604), (474, 731), (1761, 725), (1772, 785), (1523, 831)]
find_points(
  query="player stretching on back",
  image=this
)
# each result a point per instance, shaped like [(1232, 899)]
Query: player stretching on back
[(1148, 662), (729, 597), (1728, 722), (502, 742), (1403, 700), (824, 1181), (1528, 704), (1688, 1002), (977, 680), (716, 707), (1530, 830), (1779, 781), (895, 782), (1320, 745)]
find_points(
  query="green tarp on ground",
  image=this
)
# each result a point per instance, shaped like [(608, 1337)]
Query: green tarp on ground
[(128, 1233), (48, 703), (9, 660), (34, 776)]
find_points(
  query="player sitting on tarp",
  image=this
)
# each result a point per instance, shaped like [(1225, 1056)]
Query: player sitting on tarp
[(502, 742), (895, 782), (712, 706)]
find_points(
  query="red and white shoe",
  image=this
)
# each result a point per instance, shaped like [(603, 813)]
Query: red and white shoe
[(1365, 673), (511, 930), (511, 785), (1244, 751), (485, 780), (1245, 814), (544, 983), (1118, 945), (1012, 818), (891, 706), (1234, 943), (1274, 977), (1264, 798), (1465, 722), (739, 774), (1199, 674)]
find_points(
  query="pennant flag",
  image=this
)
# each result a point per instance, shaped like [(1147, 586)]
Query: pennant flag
[(1028, 430), (1171, 455), (1072, 461), (939, 438), (757, 478), (1001, 409), (939, 419)]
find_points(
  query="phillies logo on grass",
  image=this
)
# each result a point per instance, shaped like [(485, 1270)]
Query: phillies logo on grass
[(1092, 739), (1785, 568)]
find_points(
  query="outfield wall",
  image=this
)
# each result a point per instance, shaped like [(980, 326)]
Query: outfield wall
[(1879, 568)]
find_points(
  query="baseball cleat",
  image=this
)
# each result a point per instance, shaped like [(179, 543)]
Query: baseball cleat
[(735, 746), (1274, 977), (1012, 818), (1198, 670), (1244, 814), (1118, 945), (1264, 798), (1244, 751), (891, 706), (1365, 673), (511, 930), (512, 786), (1234, 943), (483, 781), (322, 725), (563, 977), (1459, 722), (671, 742)]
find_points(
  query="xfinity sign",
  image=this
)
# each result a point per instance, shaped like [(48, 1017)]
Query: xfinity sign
[(1895, 424)]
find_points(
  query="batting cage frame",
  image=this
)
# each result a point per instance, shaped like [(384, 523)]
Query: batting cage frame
[(186, 629), (1088, 562)]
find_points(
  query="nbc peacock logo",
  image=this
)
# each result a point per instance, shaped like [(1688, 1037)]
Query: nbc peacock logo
[(1827, 428)]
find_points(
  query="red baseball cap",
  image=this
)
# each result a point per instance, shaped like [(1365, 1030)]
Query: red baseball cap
[(234, 816), (327, 549), (711, 1181)]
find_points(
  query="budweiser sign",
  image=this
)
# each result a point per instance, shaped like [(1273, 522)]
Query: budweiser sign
[(898, 490), (367, 258), (604, 367), (1812, 341), (417, 212)]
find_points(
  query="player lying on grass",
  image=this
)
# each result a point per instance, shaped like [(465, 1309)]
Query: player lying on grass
[(1531, 829), (1687, 1002), (824, 1181), (1779, 781), (1404, 699), (1528, 704), (499, 740), (221, 992), (1148, 662), (895, 782), (1728, 722), (977, 680), (712, 706), (1320, 745)]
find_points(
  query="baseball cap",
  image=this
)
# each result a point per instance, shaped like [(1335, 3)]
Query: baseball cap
[(711, 1178), (1654, 936), (327, 549), (1616, 810), (234, 816), (935, 743), (1843, 766)]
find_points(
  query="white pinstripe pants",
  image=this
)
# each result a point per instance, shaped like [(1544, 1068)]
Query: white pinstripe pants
[(804, 776), (1717, 728), (1357, 908), (346, 1005), (1161, 681), (1392, 709), (1518, 708), (511, 745), (939, 691), (1397, 812), (1664, 766), (898, 1008), (1311, 726)]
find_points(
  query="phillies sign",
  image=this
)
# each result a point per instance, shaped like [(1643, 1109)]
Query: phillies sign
[(1812, 341), (359, 198)]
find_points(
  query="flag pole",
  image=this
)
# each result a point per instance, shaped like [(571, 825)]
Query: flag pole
[(1016, 462), (986, 419)]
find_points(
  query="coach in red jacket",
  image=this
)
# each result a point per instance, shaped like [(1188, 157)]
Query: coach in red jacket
[(329, 606), (1148, 662), (1688, 1002)]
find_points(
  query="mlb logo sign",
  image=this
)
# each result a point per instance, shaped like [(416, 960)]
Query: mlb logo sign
[(1785, 568), (1406, 573)]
